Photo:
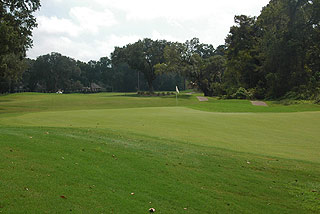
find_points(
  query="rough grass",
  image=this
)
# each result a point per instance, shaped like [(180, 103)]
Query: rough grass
[(88, 153)]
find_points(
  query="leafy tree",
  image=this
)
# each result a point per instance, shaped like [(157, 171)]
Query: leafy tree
[(142, 56), (242, 53), (11, 72), (198, 62), (313, 52), (16, 24), (285, 29), (29, 79), (54, 71)]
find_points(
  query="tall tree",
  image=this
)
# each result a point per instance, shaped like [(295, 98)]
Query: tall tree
[(142, 56), (286, 29), (198, 62), (243, 55), (313, 53), (54, 71), (16, 24)]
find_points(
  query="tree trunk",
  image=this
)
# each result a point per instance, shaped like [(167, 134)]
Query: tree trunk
[(150, 86)]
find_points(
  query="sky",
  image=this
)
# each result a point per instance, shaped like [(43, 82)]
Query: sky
[(90, 29)]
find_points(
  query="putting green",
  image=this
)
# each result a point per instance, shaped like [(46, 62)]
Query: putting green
[(285, 135)]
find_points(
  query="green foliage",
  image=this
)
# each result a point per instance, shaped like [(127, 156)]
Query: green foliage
[(276, 54), (54, 72), (242, 93), (317, 100), (11, 68), (242, 54), (141, 56), (198, 62), (16, 24)]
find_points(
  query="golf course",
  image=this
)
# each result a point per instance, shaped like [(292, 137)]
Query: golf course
[(122, 153)]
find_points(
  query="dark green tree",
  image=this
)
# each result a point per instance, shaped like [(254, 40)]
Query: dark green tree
[(56, 72), (16, 24), (242, 52), (142, 56), (197, 62), (285, 39)]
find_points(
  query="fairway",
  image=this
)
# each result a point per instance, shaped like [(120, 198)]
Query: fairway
[(88, 153)]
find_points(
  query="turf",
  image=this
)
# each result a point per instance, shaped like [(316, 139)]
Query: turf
[(88, 153)]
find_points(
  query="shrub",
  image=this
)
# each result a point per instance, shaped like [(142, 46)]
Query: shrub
[(257, 93), (317, 100), (242, 93), (142, 93)]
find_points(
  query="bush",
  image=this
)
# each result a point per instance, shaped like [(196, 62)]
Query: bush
[(217, 89), (141, 93), (317, 100), (257, 93), (242, 93)]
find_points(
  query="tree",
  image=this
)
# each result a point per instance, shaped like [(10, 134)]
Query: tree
[(313, 52), (142, 56), (197, 62), (242, 52), (286, 29), (54, 71), (16, 24)]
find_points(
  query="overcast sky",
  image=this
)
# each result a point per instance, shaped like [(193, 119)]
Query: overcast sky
[(90, 29)]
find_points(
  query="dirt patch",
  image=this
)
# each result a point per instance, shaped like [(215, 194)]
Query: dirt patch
[(202, 99), (259, 103)]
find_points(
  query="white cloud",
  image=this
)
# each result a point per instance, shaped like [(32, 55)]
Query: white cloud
[(122, 40), (90, 20), (54, 25), (181, 10), (82, 20), (156, 35), (77, 49)]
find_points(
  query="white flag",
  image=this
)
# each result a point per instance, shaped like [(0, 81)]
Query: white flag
[(177, 90)]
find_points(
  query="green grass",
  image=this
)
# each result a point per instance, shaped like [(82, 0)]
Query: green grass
[(95, 150), (35, 102)]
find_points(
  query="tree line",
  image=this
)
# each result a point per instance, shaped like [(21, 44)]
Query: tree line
[(53, 72), (275, 55)]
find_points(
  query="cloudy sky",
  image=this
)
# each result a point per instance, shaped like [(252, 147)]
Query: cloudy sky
[(90, 29)]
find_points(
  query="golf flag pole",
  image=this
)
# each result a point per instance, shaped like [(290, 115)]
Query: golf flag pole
[(177, 90)]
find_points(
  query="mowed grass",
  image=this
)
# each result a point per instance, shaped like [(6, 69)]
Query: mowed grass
[(36, 102), (88, 153)]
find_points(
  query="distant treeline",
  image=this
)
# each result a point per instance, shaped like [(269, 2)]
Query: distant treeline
[(275, 55), (53, 72)]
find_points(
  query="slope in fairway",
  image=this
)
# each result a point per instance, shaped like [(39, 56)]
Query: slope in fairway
[(109, 153)]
